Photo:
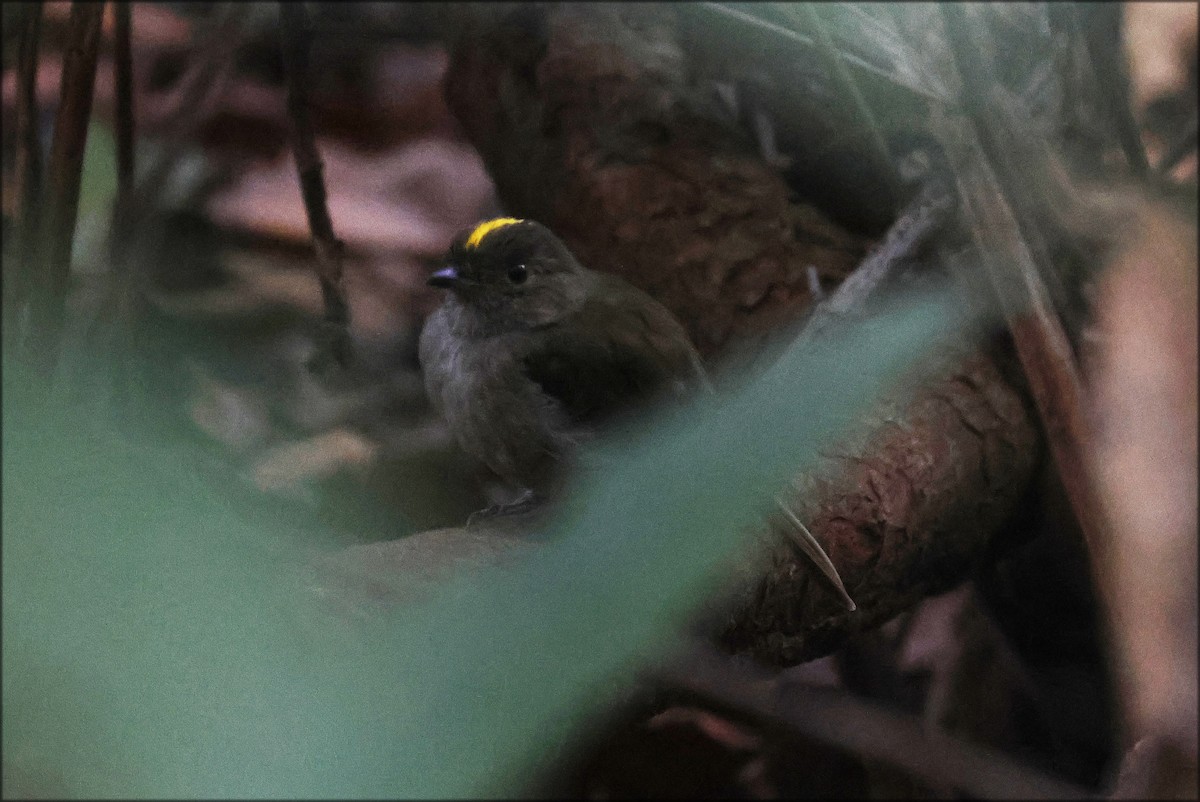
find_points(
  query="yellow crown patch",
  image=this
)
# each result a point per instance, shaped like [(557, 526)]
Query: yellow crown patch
[(483, 229)]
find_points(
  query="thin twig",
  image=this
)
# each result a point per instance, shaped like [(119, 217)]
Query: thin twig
[(861, 728), (333, 341), (835, 67), (1016, 276), (64, 173), (28, 169), (1039, 199)]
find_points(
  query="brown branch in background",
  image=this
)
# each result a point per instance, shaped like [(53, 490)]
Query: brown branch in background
[(333, 339), (861, 728), (1016, 275), (123, 68), (28, 170), (689, 215), (64, 173), (835, 68)]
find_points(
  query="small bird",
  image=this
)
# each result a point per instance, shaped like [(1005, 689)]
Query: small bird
[(531, 354)]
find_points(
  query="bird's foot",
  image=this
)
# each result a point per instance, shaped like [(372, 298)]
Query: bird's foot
[(526, 502)]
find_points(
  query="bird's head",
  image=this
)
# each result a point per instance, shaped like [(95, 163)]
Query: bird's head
[(512, 273)]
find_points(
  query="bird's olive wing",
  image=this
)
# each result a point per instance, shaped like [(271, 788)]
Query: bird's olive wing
[(617, 354)]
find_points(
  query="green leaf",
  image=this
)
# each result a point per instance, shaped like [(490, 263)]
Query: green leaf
[(157, 643)]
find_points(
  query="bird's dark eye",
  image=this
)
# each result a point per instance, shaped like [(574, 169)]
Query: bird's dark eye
[(517, 274)]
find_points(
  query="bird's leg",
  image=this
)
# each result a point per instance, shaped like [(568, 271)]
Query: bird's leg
[(812, 549), (526, 502)]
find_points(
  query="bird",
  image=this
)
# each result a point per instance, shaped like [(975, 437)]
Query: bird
[(531, 355)]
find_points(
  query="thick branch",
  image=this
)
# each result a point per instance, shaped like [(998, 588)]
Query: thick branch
[(906, 511)]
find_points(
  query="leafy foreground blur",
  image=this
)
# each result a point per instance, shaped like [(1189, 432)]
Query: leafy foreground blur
[(159, 644)]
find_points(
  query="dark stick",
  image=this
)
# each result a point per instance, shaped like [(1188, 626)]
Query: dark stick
[(28, 171), (123, 67), (333, 340), (864, 729), (64, 173)]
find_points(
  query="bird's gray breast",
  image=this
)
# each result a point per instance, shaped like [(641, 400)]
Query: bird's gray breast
[(495, 412)]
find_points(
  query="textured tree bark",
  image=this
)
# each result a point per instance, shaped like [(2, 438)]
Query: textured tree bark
[(905, 511), (590, 120)]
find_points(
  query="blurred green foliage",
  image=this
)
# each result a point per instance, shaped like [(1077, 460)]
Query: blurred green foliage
[(156, 643)]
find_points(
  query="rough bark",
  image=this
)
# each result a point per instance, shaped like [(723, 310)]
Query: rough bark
[(905, 511)]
